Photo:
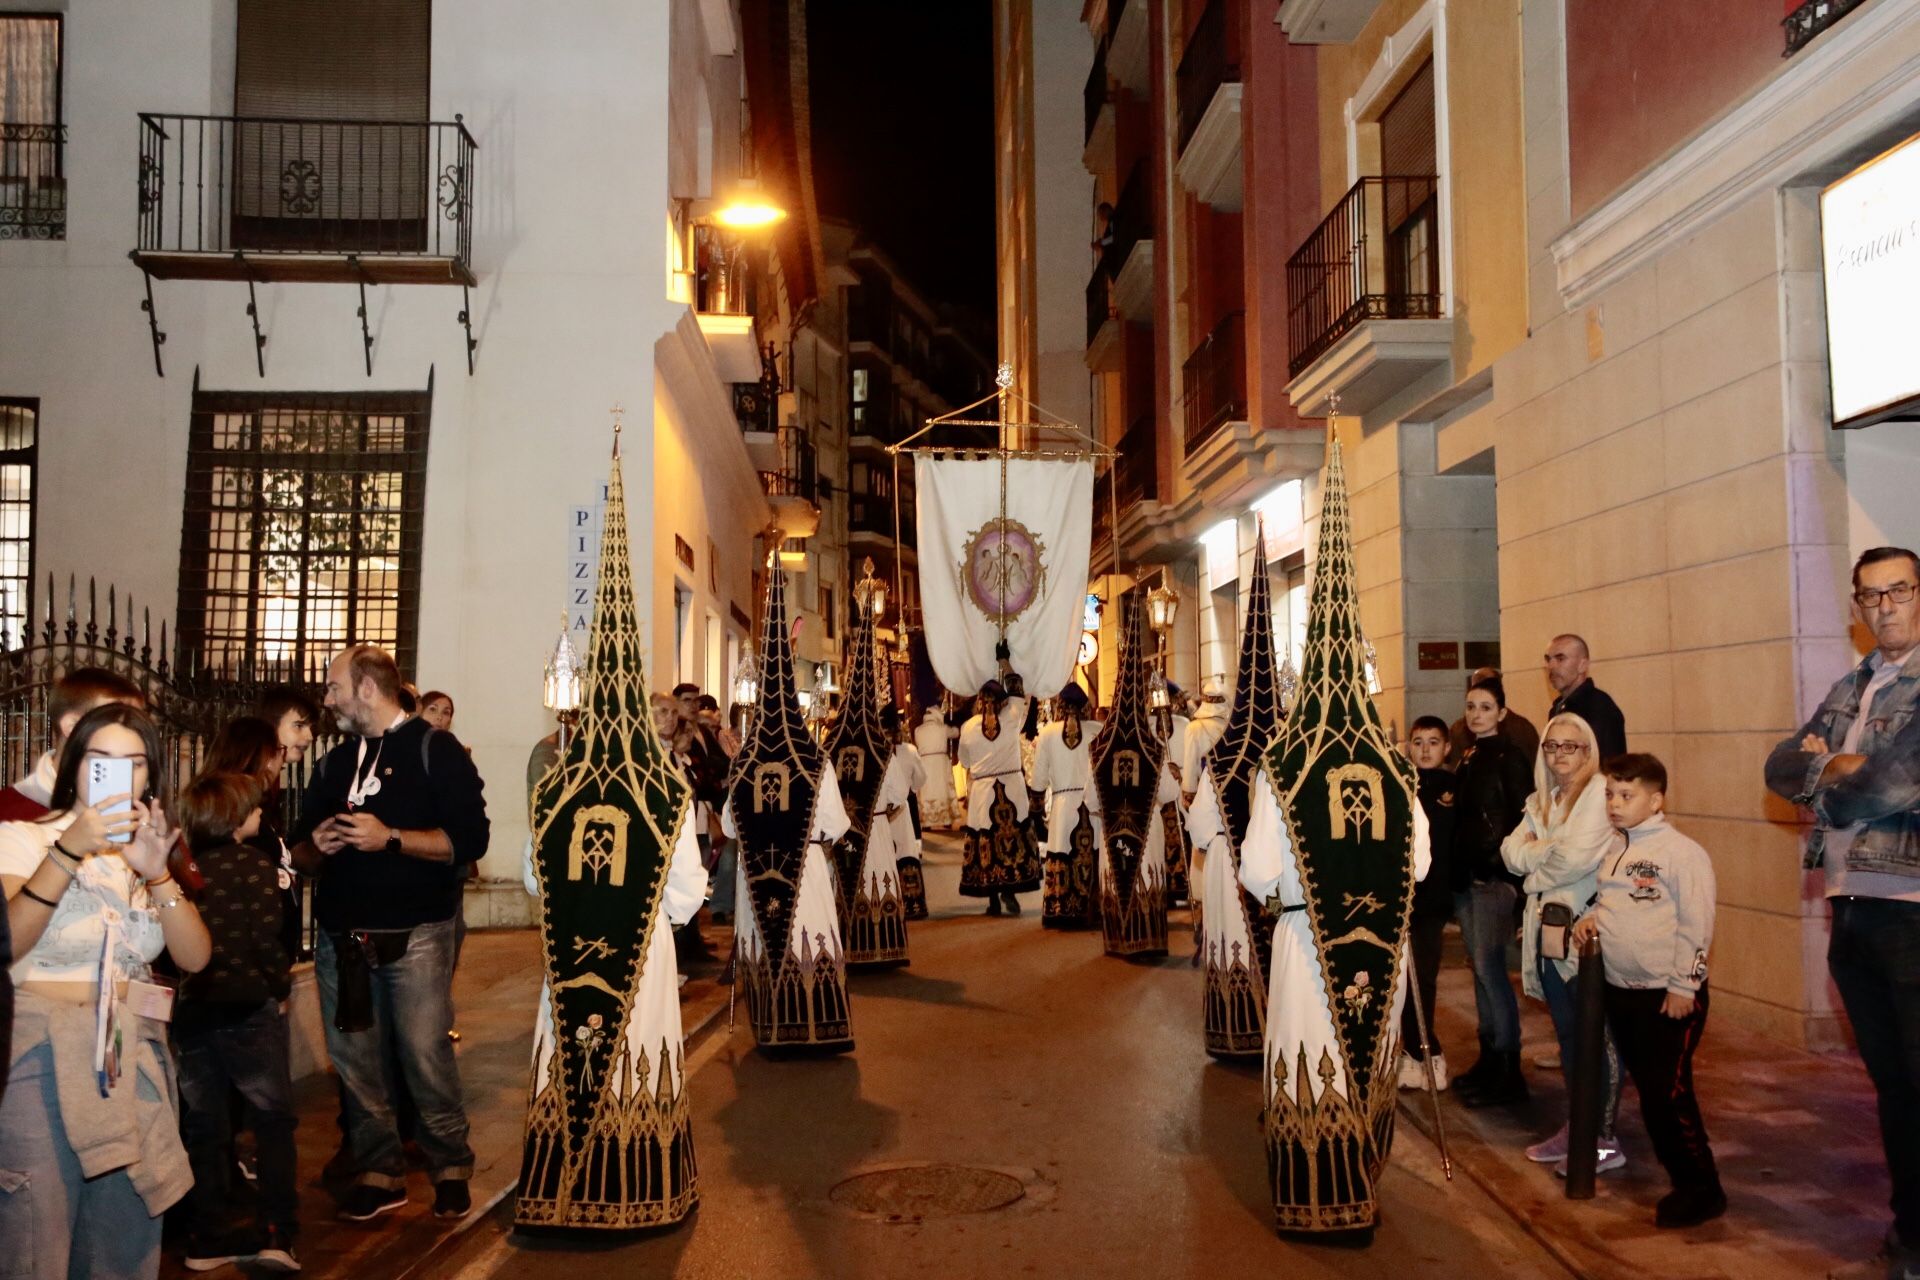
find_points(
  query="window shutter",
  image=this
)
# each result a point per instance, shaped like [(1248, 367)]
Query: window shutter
[(1407, 146), (363, 180)]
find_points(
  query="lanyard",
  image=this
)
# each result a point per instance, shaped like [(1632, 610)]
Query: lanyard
[(366, 777)]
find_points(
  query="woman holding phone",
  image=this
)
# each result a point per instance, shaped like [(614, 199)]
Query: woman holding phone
[(90, 1153)]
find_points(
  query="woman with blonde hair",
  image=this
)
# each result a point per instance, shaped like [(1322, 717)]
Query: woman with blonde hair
[(1557, 850)]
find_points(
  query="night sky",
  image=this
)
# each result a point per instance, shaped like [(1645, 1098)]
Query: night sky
[(903, 143)]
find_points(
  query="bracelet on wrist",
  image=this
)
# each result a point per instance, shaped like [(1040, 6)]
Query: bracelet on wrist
[(60, 848), (166, 877), (51, 904), (71, 873)]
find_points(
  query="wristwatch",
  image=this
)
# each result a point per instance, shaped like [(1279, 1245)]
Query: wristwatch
[(393, 840)]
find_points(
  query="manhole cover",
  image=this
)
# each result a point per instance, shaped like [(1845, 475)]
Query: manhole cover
[(928, 1191)]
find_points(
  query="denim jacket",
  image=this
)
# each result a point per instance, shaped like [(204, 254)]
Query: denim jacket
[(1884, 795)]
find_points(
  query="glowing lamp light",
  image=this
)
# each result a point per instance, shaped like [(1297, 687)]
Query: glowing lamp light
[(1163, 605), (870, 593), (561, 690), (1157, 696), (746, 682), (826, 685), (748, 208)]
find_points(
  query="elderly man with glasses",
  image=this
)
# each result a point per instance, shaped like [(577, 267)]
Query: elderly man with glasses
[(1856, 765)]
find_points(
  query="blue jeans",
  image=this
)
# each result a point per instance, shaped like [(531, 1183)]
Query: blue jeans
[(1485, 913), (1562, 997), (412, 1010), (251, 1056), (724, 873), (1874, 956), (54, 1220)]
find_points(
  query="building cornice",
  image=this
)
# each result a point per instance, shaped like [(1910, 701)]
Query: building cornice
[(1846, 90)]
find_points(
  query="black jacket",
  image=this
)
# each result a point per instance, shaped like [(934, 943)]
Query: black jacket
[(1434, 895), (1591, 703), (1491, 791), (427, 782)]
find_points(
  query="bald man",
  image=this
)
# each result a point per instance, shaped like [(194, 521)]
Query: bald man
[(1567, 662)]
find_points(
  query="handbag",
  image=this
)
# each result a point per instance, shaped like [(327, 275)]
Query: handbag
[(1556, 923), (356, 956)]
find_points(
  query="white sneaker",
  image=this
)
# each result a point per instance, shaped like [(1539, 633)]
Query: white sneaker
[(1550, 1150), (1611, 1157), (1414, 1076)]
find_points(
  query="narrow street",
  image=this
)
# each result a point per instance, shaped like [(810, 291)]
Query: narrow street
[(1011, 1049)]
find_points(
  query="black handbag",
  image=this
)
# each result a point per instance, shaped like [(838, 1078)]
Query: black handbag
[(356, 956)]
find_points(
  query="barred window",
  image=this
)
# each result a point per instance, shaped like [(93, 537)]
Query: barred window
[(19, 454), (302, 526)]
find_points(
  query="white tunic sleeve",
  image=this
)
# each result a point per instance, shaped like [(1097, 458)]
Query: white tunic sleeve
[(727, 828), (686, 876), (830, 820), (916, 768), (1266, 856), (1203, 814), (1045, 752)]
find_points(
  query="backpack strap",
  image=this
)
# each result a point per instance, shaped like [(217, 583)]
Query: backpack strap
[(426, 745)]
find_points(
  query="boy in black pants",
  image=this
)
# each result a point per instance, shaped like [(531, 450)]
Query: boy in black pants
[(1432, 901), (230, 1030), (1654, 917)]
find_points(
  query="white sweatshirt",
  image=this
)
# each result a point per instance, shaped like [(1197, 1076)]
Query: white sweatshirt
[(1655, 910)]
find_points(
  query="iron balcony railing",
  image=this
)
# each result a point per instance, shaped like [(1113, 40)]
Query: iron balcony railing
[(1214, 380), (1135, 473), (1211, 59), (1099, 300), (1811, 18), (1096, 93), (1132, 219), (33, 181), (1360, 264), (380, 189)]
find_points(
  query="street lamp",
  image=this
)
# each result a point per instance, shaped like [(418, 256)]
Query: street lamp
[(870, 593), (1163, 605), (748, 207), (560, 691)]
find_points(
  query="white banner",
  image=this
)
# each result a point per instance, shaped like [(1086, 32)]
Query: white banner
[(1032, 569)]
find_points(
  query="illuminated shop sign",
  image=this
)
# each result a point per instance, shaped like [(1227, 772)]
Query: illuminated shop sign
[(1870, 246)]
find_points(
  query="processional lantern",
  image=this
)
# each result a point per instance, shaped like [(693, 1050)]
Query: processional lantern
[(870, 593), (746, 682), (1163, 605), (561, 692)]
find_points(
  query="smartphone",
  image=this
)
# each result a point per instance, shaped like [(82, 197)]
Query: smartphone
[(109, 776)]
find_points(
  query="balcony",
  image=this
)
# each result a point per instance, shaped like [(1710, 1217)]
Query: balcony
[(1098, 99), (725, 289), (1214, 380), (1208, 90), (33, 181), (1128, 257), (1104, 345), (333, 201), (1813, 17), (1128, 48), (1325, 21), (1135, 476), (1363, 298), (870, 517)]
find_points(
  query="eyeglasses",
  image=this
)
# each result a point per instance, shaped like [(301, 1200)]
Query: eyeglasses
[(1563, 748), (1899, 593)]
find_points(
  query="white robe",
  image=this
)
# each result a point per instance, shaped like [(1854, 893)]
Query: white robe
[(1299, 1013), (880, 873), (1221, 925), (815, 914), (988, 761), (931, 739), (907, 760), (1203, 731), (656, 1002), (1065, 774)]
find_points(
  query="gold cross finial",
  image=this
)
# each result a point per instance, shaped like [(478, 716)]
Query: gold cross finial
[(619, 413)]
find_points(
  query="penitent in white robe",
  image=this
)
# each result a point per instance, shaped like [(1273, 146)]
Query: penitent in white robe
[(816, 919), (656, 1002), (931, 741), (1299, 1010), (1236, 989)]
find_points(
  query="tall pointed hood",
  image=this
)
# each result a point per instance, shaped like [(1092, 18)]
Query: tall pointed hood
[(1255, 718), (776, 780), (606, 818), (1128, 754), (1348, 799), (859, 746)]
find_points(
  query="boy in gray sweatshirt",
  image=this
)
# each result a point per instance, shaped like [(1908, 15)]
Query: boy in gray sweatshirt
[(1654, 917)]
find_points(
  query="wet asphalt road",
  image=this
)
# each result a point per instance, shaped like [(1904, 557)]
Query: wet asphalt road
[(1009, 1047)]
